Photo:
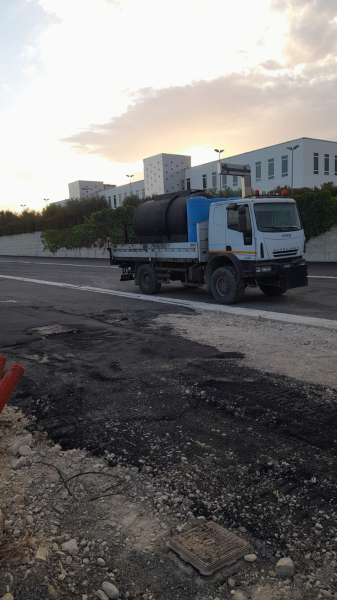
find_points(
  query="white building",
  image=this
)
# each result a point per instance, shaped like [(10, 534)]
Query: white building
[(85, 189), (116, 195), (315, 163), (165, 173)]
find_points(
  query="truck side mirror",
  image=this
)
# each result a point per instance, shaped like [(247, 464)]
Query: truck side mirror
[(242, 219)]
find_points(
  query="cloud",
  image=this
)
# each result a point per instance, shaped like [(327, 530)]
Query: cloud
[(312, 34), (31, 70), (7, 89), (271, 65), (239, 109)]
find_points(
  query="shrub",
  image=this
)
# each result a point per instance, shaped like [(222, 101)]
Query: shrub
[(108, 224), (318, 212)]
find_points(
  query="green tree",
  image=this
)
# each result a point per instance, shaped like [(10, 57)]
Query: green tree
[(132, 200), (226, 192)]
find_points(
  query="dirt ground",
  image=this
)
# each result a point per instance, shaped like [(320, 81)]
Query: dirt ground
[(204, 427)]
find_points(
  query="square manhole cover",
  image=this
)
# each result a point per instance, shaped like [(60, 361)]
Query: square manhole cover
[(209, 547)]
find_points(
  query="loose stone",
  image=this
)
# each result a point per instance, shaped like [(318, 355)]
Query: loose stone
[(285, 568), (250, 558), (110, 590)]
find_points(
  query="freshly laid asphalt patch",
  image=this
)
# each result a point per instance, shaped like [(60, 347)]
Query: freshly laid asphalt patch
[(247, 449)]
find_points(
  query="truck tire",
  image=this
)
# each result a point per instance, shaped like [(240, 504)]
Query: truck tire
[(269, 290), (147, 280), (227, 286)]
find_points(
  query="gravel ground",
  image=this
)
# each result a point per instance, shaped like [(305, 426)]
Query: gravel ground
[(182, 430)]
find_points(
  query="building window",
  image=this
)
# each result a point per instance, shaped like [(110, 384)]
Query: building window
[(188, 184), (120, 198), (326, 164), (271, 168), (109, 200), (125, 194), (137, 193), (213, 180), (316, 163), (284, 166), (143, 193), (115, 201), (224, 180), (235, 181), (258, 171), (204, 182), (335, 165)]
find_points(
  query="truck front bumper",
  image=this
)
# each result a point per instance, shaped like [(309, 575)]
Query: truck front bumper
[(289, 275)]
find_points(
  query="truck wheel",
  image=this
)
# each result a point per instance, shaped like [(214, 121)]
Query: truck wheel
[(147, 280), (269, 290), (226, 285)]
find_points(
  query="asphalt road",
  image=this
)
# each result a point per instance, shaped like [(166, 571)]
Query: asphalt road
[(256, 445), (317, 300)]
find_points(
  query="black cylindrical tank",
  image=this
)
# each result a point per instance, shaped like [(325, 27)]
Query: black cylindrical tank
[(164, 216)]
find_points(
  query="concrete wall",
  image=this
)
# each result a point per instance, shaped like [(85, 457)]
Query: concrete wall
[(30, 244), (322, 248)]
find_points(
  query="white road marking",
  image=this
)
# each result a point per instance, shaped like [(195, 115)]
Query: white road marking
[(33, 262), (55, 264), (233, 310), (323, 276), (14, 301)]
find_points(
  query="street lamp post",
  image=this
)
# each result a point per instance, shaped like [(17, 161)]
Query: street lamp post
[(292, 148), (23, 205), (219, 153), (46, 200), (86, 189), (130, 179)]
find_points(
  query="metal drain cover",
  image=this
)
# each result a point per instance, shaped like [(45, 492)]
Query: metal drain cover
[(209, 547)]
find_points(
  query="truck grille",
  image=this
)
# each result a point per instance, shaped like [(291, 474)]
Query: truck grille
[(284, 253)]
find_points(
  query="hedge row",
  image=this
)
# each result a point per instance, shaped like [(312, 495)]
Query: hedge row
[(108, 224), (318, 212)]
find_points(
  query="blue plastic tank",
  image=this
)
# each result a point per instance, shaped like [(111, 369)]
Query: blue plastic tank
[(198, 211)]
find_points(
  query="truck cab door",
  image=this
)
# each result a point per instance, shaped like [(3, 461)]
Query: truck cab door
[(224, 234), (240, 243)]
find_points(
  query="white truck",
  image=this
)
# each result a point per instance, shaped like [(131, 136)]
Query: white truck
[(224, 244)]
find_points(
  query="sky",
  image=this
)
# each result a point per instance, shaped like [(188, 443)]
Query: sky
[(88, 88)]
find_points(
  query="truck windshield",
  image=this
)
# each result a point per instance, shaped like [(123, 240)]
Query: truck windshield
[(277, 216)]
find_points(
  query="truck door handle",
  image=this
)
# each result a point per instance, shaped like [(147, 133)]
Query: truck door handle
[(229, 248)]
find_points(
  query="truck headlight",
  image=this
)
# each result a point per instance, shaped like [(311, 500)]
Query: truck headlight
[(266, 269)]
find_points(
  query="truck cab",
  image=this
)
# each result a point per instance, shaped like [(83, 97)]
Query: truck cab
[(263, 238)]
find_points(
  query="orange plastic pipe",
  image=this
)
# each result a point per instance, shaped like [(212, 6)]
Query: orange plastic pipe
[(3, 360), (8, 383)]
